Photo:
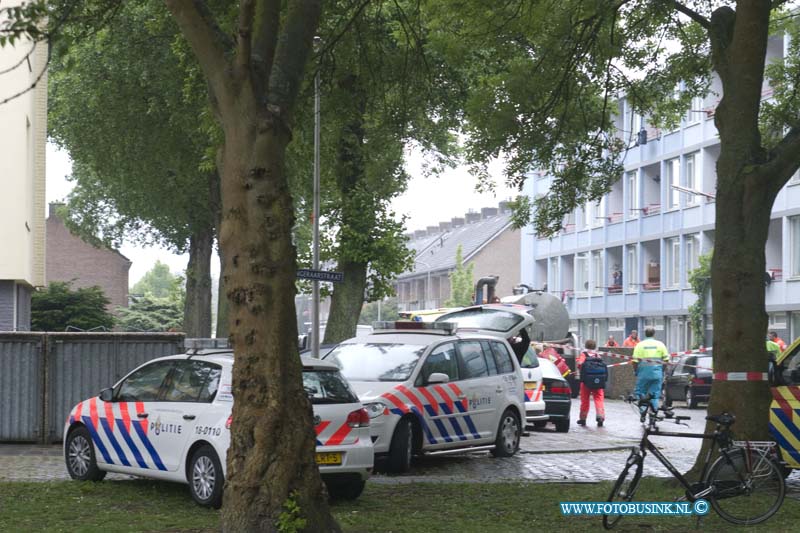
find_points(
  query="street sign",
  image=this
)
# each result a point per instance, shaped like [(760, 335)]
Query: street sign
[(320, 275)]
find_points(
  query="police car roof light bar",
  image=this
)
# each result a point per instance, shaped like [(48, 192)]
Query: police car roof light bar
[(433, 327), (205, 344)]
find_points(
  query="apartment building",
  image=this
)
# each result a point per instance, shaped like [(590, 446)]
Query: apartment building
[(22, 179), (623, 263)]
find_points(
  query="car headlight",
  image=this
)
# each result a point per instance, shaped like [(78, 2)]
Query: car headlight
[(376, 409)]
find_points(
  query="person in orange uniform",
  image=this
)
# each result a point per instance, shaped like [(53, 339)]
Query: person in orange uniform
[(589, 389), (611, 343), (632, 340), (773, 336)]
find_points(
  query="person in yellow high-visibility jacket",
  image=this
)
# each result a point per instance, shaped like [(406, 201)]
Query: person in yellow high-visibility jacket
[(649, 358)]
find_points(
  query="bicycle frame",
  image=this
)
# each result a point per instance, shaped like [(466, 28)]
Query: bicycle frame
[(646, 446)]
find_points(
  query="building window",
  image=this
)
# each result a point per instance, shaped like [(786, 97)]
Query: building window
[(598, 282), (554, 280), (673, 263), (598, 213), (777, 321), (632, 269), (794, 246), (633, 195), (674, 178), (691, 179), (655, 323), (582, 273), (692, 253), (616, 324), (695, 113)]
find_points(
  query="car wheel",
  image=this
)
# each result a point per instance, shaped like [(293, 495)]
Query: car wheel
[(80, 458), (539, 424), (691, 401), (562, 426), (508, 434), (401, 447), (347, 490), (206, 479)]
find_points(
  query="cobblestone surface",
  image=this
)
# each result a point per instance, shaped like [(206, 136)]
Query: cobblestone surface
[(584, 454)]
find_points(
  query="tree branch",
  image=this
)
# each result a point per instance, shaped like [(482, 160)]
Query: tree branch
[(692, 14), (292, 51), (207, 40), (265, 38), (783, 161), (245, 34)]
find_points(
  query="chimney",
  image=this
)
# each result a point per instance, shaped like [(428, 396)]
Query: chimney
[(504, 206), (445, 226), (473, 217), (54, 206), (488, 212), (457, 222), (420, 233), (433, 230)]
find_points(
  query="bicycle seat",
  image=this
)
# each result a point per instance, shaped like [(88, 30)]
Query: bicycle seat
[(724, 419)]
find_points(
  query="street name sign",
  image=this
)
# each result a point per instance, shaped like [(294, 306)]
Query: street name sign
[(320, 275)]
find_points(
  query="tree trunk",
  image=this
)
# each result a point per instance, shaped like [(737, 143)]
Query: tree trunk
[(197, 306), (346, 303), (347, 298), (271, 457), (745, 197)]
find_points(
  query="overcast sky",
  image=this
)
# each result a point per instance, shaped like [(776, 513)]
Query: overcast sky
[(427, 202)]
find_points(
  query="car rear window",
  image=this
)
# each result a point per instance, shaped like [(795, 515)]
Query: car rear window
[(488, 319), (327, 386), (704, 363), (376, 361)]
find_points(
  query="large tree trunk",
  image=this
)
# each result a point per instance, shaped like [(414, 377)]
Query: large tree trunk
[(745, 195), (197, 306), (348, 297), (271, 456), (346, 303)]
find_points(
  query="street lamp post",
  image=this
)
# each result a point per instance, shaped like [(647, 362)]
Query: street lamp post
[(428, 283), (315, 259)]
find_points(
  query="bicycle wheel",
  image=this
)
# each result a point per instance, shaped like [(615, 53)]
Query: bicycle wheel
[(625, 487), (745, 490)]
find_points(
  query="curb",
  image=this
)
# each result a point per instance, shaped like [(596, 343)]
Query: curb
[(577, 450)]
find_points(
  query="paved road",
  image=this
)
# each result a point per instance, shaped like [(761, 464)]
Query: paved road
[(584, 454)]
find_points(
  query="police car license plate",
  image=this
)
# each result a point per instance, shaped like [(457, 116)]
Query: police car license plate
[(332, 458), (530, 385)]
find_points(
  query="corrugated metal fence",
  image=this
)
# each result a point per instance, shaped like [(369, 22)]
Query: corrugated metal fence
[(43, 375)]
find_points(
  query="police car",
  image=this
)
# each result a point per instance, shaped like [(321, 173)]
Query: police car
[(512, 322), (170, 419), (430, 389)]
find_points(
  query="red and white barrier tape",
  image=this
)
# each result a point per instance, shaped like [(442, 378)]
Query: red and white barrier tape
[(570, 348), (740, 376)]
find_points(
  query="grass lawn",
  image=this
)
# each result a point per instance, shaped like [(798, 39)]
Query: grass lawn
[(430, 507)]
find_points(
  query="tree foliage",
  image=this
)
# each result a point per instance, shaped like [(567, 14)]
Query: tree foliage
[(462, 283), (59, 307), (160, 283), (148, 313), (700, 282), (389, 311)]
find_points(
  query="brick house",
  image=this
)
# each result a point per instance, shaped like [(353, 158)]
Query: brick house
[(70, 258), (488, 241)]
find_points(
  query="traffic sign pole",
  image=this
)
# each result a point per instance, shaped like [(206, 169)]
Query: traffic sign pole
[(315, 283)]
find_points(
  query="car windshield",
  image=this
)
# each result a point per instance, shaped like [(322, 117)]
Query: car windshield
[(327, 386), (481, 318), (529, 360), (376, 361)]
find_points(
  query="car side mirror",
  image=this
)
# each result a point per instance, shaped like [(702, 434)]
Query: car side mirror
[(106, 395), (438, 377)]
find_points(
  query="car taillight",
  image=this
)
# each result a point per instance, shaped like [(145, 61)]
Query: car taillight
[(560, 390), (228, 423), (358, 419), (699, 381)]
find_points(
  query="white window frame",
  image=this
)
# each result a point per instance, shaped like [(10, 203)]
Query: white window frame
[(692, 253), (633, 194), (598, 281), (672, 249), (673, 167), (695, 112), (691, 178), (794, 246), (582, 273), (777, 320), (632, 270), (554, 275)]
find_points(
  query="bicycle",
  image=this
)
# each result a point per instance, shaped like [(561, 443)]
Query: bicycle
[(744, 485)]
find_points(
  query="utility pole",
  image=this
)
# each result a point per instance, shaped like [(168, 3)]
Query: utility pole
[(315, 283)]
